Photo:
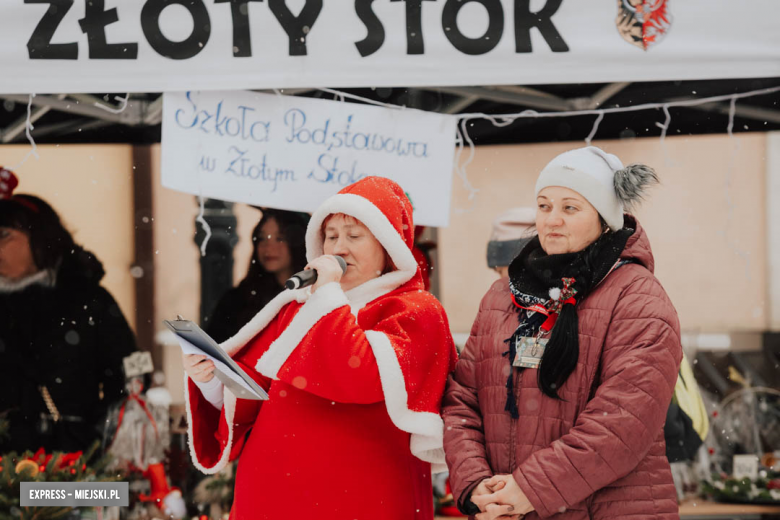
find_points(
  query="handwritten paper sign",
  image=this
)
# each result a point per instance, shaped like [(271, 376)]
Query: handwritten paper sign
[(138, 363), (745, 466), (292, 153)]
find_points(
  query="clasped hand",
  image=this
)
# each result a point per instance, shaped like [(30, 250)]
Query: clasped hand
[(501, 498)]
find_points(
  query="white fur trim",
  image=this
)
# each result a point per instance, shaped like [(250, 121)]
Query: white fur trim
[(262, 319), (369, 291), (230, 412), (233, 345), (46, 278), (376, 222), (427, 429), (326, 299), (365, 211)]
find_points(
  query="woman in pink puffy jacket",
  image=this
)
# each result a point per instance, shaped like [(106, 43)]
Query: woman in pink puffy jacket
[(556, 407)]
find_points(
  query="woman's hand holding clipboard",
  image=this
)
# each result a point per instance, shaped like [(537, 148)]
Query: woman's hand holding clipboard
[(193, 340)]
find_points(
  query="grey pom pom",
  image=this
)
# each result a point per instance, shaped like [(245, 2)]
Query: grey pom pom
[(632, 182)]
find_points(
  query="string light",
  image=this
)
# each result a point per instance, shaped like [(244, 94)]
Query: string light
[(664, 130), (205, 225), (28, 126), (347, 95), (202, 203), (501, 120), (730, 206), (595, 128), (122, 106), (463, 138)]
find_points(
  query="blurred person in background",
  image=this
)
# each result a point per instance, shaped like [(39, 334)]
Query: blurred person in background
[(512, 230), (278, 252), (62, 335)]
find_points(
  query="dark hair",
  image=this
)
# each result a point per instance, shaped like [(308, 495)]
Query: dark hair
[(293, 226), (49, 240), (563, 348), (561, 353)]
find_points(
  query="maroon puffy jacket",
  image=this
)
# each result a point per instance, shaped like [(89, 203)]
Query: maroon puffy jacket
[(599, 453)]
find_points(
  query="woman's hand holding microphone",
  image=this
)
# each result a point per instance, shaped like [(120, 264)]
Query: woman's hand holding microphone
[(328, 270)]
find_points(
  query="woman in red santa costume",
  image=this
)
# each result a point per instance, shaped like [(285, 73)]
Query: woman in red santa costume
[(355, 367)]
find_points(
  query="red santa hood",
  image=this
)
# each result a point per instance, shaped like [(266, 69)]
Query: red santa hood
[(383, 207), (388, 217)]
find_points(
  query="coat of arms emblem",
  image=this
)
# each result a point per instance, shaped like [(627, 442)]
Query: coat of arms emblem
[(643, 23)]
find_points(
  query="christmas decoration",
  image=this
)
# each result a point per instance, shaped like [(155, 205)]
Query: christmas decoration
[(764, 489), (47, 467), (745, 431), (137, 429), (747, 421), (216, 492), (771, 460), (8, 182), (445, 503), (167, 499), (138, 436)]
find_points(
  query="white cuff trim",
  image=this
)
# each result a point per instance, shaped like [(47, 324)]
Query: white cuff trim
[(325, 300), (373, 218), (427, 429), (230, 412), (369, 291)]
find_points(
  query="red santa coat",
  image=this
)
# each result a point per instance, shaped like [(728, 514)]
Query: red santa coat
[(355, 381)]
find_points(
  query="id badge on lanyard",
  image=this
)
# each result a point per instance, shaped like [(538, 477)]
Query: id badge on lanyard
[(529, 351)]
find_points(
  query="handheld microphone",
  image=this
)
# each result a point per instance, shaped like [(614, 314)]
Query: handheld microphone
[(309, 276)]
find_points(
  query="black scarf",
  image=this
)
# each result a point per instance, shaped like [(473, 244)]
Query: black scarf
[(531, 276)]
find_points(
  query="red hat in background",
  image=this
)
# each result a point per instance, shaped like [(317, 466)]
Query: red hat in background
[(8, 183)]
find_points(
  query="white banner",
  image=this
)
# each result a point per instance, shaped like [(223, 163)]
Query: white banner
[(292, 153), (53, 46)]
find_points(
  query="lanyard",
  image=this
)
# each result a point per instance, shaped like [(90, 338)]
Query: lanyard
[(552, 317)]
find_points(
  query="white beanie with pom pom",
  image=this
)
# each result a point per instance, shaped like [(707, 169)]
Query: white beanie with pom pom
[(601, 178)]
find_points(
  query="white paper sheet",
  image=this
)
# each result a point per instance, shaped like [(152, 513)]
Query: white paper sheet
[(189, 348)]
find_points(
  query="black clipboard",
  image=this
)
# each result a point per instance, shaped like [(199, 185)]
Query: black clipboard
[(191, 332)]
